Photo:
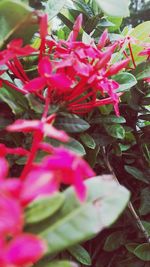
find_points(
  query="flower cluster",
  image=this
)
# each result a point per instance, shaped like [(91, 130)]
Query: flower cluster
[(71, 74), (36, 180), (76, 77)]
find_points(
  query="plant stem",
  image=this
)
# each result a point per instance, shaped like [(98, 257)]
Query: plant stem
[(130, 206)]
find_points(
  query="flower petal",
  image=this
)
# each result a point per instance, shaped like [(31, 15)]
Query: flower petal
[(25, 250), (11, 216), (34, 85), (45, 67), (24, 126), (60, 81)]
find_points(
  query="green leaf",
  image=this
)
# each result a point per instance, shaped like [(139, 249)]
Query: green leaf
[(75, 146), (146, 226), (75, 222), (143, 252), (142, 71), (131, 247), (43, 208), (108, 119), (115, 8), (116, 21), (53, 7), (57, 264), (72, 144), (116, 131), (80, 254), (88, 140), (141, 33), (72, 229), (125, 80), (34, 103), (136, 173), (145, 201), (16, 20), (15, 100), (113, 241), (72, 124)]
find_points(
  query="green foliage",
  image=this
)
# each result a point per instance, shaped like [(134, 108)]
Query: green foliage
[(80, 254), (52, 7), (42, 208), (16, 23), (109, 143), (115, 8)]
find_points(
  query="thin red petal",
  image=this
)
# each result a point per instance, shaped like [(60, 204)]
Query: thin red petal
[(34, 85), (45, 67)]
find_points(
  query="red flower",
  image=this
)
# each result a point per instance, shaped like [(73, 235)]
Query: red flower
[(11, 216), (68, 168), (76, 28), (15, 49), (42, 127), (24, 250), (48, 78)]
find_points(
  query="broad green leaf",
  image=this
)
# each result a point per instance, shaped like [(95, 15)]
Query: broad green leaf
[(113, 241), (75, 146), (72, 124), (114, 7), (75, 222), (116, 131), (141, 33), (125, 80), (101, 188), (75, 227), (88, 140), (108, 119), (145, 201), (56, 263), (43, 208), (136, 173), (142, 71), (143, 252), (80, 254), (15, 100), (72, 144), (146, 226), (53, 7), (116, 21), (16, 20)]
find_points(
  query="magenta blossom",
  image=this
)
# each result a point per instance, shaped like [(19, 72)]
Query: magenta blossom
[(15, 49), (63, 166), (48, 78), (43, 127), (22, 251)]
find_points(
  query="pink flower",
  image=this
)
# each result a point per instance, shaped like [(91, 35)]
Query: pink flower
[(43, 127), (15, 49), (68, 168), (76, 28), (24, 250), (145, 52), (14, 151), (11, 216), (114, 69), (38, 182), (103, 39), (48, 78)]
